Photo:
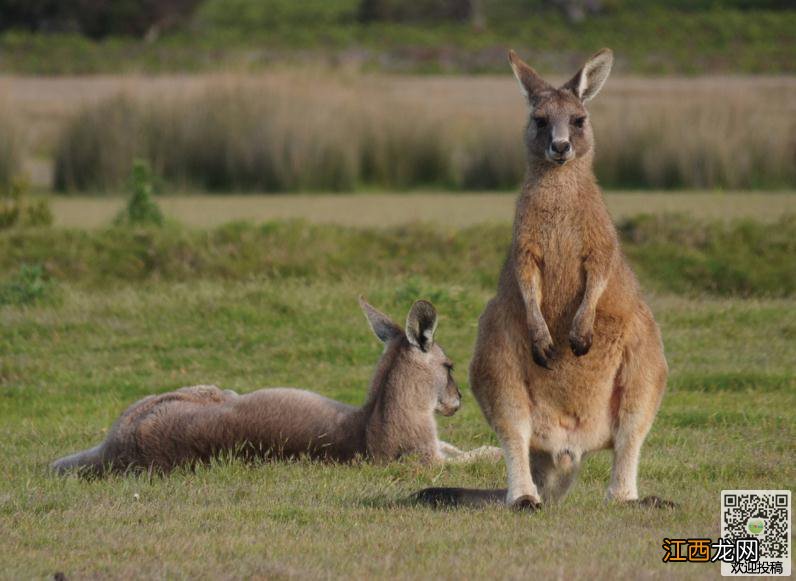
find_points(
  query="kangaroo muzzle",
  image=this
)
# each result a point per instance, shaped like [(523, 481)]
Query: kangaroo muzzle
[(560, 149)]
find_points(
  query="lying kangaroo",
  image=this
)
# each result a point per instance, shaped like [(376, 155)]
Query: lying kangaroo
[(569, 359), (413, 379)]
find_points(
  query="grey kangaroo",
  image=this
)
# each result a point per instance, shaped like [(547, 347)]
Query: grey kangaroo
[(413, 379), (569, 359)]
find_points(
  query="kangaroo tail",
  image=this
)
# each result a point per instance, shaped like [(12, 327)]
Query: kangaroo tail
[(457, 497), (85, 463)]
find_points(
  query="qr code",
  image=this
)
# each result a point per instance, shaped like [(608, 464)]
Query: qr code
[(764, 515)]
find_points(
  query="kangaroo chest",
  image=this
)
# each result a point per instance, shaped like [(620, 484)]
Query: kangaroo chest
[(557, 245)]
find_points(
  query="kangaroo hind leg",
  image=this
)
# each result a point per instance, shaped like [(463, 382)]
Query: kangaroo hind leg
[(638, 390)]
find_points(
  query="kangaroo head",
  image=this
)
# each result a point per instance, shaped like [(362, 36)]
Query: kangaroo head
[(559, 130), (424, 367)]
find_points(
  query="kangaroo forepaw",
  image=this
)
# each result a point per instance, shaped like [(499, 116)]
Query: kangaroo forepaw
[(544, 354), (580, 343), (526, 504)]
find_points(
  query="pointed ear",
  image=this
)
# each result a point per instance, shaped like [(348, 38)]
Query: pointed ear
[(588, 81), (421, 324), (382, 325), (530, 81)]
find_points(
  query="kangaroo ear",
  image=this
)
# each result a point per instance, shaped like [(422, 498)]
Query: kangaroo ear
[(382, 325), (421, 324), (530, 81), (588, 81)]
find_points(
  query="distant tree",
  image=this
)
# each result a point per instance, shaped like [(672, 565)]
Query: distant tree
[(96, 18), (99, 18), (33, 15), (416, 11), (577, 10)]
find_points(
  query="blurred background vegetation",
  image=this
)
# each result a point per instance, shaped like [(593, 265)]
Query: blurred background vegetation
[(283, 96), (656, 36)]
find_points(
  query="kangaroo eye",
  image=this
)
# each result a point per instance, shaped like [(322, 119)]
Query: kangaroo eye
[(541, 122), (579, 121)]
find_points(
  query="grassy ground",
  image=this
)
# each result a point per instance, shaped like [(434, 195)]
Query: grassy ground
[(451, 210), (132, 312), (69, 367)]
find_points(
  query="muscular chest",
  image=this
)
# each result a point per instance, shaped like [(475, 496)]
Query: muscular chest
[(555, 241)]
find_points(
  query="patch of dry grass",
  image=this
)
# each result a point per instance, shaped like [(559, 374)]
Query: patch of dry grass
[(294, 132), (450, 210), (10, 146)]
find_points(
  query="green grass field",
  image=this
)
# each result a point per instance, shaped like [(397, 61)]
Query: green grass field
[(114, 325)]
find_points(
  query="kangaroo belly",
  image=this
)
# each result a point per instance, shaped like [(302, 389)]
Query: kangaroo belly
[(575, 420)]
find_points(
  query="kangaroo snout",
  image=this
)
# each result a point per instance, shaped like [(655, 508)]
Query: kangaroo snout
[(449, 408), (560, 151), (450, 403)]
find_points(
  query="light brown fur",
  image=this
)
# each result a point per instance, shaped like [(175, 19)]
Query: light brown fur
[(568, 359), (413, 379)]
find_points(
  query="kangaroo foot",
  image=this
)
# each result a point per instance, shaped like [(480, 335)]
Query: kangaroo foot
[(526, 504)]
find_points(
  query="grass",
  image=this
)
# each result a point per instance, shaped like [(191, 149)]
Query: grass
[(252, 35), (124, 312), (671, 253), (295, 132), (71, 366), (11, 146), (450, 210)]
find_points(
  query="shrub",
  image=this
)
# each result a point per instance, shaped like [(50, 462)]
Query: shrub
[(141, 210), (17, 210), (745, 258), (29, 285), (671, 254)]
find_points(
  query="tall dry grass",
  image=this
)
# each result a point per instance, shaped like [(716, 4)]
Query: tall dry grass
[(294, 133), (10, 146)]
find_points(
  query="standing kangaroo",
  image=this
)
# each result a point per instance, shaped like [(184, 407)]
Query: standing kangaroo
[(413, 379), (568, 359)]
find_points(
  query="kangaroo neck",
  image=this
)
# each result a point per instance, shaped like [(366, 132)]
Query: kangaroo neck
[(395, 412), (550, 185)]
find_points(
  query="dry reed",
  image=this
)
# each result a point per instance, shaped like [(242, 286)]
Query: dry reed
[(298, 133), (10, 147)]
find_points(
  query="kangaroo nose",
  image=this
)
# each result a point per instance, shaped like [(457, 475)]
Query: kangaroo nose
[(561, 147)]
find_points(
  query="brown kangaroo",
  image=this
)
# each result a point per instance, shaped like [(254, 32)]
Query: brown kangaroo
[(413, 379), (568, 359)]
